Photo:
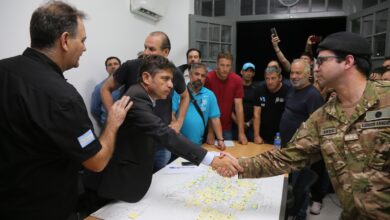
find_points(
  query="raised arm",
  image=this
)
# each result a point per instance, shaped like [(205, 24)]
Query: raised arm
[(283, 60)]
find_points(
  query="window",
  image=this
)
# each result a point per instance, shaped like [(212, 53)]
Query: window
[(210, 8), (372, 24), (263, 7)]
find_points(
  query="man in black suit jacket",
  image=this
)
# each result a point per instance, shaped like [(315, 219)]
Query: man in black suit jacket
[(156, 43), (129, 173)]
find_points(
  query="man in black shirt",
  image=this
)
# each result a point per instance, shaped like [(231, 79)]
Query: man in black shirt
[(45, 131), (247, 74), (269, 106)]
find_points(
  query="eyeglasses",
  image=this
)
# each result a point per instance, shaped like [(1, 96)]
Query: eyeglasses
[(321, 60)]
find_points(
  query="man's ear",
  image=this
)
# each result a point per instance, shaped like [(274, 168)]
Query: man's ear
[(64, 40), (146, 78), (165, 52), (349, 61)]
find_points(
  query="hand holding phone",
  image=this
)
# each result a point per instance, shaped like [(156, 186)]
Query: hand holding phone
[(315, 39), (273, 32)]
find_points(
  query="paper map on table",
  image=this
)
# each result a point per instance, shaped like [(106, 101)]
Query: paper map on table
[(202, 196)]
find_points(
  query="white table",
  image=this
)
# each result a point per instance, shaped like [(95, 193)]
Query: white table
[(181, 193)]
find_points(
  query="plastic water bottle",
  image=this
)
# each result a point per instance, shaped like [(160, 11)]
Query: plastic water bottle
[(277, 141)]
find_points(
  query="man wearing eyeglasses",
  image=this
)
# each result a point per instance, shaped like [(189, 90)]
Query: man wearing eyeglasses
[(352, 132)]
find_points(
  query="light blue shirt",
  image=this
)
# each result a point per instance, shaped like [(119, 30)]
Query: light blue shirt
[(193, 128), (97, 108)]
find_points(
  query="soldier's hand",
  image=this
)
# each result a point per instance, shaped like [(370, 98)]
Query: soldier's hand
[(226, 165), (118, 111)]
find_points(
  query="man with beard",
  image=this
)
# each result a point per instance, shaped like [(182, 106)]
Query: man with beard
[(193, 56), (203, 108)]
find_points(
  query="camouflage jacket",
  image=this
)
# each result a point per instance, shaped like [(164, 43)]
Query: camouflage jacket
[(356, 151)]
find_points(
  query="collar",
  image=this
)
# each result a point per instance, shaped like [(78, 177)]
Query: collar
[(369, 99), (40, 57)]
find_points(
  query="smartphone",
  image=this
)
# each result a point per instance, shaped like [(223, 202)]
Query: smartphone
[(187, 163), (315, 39), (273, 31)]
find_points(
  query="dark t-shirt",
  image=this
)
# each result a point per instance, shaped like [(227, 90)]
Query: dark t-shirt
[(127, 74), (45, 135), (247, 101), (272, 107), (299, 105)]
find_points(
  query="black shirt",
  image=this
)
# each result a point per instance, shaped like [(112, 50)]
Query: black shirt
[(45, 134), (128, 73), (272, 107), (247, 101), (299, 106)]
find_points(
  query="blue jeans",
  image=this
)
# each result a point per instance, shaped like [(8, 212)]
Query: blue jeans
[(161, 158)]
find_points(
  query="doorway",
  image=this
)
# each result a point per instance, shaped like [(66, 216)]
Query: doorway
[(254, 39)]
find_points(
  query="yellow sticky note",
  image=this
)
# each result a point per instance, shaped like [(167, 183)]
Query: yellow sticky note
[(133, 215)]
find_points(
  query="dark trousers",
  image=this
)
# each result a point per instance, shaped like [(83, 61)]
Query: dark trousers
[(320, 188)]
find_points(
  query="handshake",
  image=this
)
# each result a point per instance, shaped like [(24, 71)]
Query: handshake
[(226, 165)]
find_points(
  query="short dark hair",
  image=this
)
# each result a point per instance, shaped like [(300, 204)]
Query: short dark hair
[(225, 55), (198, 66), (166, 43), (194, 49), (112, 57), (154, 64), (51, 20), (380, 70), (278, 67), (308, 54), (387, 58), (363, 63)]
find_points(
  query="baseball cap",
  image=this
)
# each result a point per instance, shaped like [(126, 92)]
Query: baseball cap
[(246, 66), (346, 42)]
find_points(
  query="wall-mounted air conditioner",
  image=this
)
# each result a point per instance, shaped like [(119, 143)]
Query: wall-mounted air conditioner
[(152, 9)]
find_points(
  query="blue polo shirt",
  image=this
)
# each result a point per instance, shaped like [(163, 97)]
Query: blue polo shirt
[(193, 128)]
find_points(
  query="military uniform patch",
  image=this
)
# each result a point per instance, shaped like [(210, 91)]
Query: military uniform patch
[(328, 131), (351, 137), (378, 114), (376, 124)]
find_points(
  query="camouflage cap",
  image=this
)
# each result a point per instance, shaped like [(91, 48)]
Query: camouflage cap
[(346, 42)]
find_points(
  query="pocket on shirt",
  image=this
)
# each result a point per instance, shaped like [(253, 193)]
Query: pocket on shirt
[(381, 158)]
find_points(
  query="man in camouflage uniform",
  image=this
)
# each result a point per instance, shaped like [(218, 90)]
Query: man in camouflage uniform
[(352, 132)]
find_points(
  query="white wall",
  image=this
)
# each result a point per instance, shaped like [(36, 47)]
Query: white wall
[(112, 30)]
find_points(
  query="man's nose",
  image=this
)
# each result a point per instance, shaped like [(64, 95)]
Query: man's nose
[(170, 84)]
